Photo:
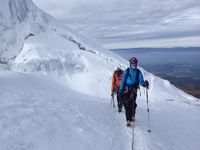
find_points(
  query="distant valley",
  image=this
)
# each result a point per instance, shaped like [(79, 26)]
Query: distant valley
[(178, 65), (185, 77)]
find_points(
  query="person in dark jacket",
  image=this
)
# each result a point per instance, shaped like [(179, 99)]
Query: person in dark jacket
[(129, 84)]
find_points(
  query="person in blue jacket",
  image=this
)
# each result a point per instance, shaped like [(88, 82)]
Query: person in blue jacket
[(129, 84)]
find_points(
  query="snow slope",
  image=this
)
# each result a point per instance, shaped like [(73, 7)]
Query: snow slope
[(62, 98), (39, 113)]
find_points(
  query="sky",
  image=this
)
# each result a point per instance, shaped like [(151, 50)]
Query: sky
[(117, 23)]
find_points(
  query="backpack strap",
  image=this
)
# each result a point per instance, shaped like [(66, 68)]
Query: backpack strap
[(137, 77), (127, 74), (114, 77)]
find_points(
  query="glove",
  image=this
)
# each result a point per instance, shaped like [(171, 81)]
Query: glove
[(112, 94), (120, 94), (146, 84)]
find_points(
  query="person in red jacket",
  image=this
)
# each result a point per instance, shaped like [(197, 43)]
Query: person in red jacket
[(116, 79)]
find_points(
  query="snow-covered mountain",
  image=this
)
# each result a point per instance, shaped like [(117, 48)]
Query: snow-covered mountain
[(60, 99), (32, 41)]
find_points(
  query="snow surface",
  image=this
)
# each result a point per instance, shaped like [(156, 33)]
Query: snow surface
[(39, 113), (56, 94)]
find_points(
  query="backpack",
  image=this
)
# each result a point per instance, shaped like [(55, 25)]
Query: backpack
[(116, 75)]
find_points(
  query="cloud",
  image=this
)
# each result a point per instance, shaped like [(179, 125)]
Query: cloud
[(166, 42), (110, 21)]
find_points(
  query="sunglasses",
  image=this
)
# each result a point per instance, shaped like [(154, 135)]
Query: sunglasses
[(133, 62)]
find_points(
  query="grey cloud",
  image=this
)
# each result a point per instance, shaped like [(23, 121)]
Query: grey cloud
[(108, 20)]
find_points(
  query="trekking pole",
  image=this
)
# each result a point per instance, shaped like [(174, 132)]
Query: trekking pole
[(149, 130), (139, 89), (113, 101)]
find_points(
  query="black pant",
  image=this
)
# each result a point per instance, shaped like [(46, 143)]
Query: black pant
[(130, 103), (119, 100)]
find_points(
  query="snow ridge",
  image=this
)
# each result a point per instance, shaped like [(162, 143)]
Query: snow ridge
[(36, 42)]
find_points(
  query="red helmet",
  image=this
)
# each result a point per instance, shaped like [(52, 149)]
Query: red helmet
[(133, 60)]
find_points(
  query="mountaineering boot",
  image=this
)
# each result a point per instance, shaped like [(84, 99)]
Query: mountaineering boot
[(128, 124), (119, 110), (133, 118)]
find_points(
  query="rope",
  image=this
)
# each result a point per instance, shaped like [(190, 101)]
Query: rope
[(132, 142)]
